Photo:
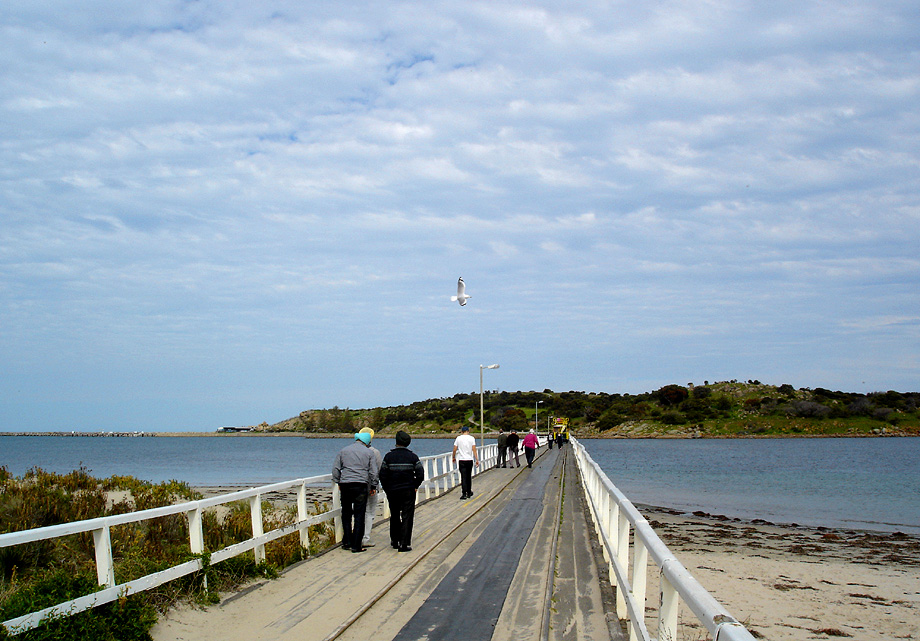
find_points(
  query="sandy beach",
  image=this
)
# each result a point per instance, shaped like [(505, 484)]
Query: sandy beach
[(789, 583)]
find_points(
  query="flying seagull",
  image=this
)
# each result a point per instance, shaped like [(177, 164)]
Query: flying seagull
[(461, 296)]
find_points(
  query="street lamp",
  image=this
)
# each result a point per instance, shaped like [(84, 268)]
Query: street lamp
[(536, 427), (481, 419)]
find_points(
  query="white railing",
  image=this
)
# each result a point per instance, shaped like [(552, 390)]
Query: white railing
[(441, 474), (614, 515)]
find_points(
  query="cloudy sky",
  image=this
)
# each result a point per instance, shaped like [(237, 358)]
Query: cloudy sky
[(222, 213)]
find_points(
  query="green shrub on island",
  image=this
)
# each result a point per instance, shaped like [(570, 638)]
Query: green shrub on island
[(45, 573), (720, 409)]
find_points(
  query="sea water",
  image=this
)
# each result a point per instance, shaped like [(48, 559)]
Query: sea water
[(850, 483), (861, 483)]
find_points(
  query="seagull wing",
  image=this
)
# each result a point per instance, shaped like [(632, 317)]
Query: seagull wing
[(461, 288)]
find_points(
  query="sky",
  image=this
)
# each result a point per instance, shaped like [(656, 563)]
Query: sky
[(224, 213)]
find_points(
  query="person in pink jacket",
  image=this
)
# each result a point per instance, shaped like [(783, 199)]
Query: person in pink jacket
[(530, 447)]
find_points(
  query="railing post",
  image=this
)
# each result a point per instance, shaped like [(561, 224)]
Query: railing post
[(337, 521), (105, 568), (427, 476), (639, 579), (196, 536), (195, 531), (302, 514), (445, 471), (602, 520), (667, 611), (255, 510), (622, 560)]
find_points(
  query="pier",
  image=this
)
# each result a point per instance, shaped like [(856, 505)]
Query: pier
[(479, 569), (552, 552)]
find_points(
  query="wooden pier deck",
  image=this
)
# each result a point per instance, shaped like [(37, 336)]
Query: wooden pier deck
[(517, 561)]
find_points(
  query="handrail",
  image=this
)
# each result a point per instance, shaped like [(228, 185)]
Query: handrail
[(436, 482), (613, 515)]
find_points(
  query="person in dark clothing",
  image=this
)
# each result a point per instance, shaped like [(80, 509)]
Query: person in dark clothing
[(513, 440), (502, 448), (401, 474)]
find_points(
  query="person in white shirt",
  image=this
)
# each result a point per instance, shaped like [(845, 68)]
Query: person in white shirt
[(465, 455)]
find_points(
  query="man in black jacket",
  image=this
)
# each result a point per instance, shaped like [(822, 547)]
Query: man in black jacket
[(401, 474), (513, 440)]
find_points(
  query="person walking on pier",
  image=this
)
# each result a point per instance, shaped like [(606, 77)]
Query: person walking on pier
[(465, 455), (502, 448), (373, 495), (513, 440), (401, 474), (530, 447), (355, 472)]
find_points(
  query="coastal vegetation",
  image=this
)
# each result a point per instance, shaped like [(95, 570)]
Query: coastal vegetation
[(45, 573), (711, 410)]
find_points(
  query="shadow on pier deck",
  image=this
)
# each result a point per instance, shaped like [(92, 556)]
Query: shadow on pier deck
[(517, 561)]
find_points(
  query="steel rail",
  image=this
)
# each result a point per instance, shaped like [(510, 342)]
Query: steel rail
[(551, 582), (370, 603)]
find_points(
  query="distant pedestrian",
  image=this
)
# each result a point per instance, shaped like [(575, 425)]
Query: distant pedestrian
[(502, 448), (551, 440), (373, 495), (465, 455), (560, 440), (355, 472), (513, 440), (530, 447), (401, 474)]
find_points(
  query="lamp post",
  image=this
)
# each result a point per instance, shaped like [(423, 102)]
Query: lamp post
[(481, 419), (536, 410)]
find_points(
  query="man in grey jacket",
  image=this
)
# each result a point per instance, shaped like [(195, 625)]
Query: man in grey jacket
[(355, 472)]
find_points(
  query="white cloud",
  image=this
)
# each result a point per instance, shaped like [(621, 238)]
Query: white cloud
[(179, 181)]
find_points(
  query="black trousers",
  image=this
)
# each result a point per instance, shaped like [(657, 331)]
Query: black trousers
[(529, 453), (354, 504), (466, 477), (402, 516), (502, 456)]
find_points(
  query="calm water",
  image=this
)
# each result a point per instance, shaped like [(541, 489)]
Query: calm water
[(852, 483), (856, 483)]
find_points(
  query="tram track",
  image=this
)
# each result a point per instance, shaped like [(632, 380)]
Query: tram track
[(409, 583), (440, 548)]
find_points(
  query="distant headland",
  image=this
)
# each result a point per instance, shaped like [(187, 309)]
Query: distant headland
[(728, 409)]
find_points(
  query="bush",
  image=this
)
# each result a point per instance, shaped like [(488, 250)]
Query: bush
[(672, 395), (881, 413), (702, 392), (610, 419), (127, 619), (41, 498), (673, 417), (809, 409)]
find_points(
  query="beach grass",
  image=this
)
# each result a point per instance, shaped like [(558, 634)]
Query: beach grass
[(45, 573)]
